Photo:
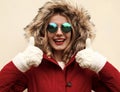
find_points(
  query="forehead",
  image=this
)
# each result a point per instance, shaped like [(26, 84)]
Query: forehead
[(59, 19)]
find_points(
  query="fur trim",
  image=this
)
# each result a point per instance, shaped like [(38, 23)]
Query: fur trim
[(78, 17)]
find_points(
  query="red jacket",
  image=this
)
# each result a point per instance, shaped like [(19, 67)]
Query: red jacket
[(49, 77)]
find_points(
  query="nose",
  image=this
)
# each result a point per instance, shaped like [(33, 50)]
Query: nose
[(59, 31)]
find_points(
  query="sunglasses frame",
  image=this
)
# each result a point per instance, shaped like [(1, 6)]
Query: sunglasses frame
[(65, 27)]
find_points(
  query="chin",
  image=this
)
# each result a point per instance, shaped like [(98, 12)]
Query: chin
[(59, 48)]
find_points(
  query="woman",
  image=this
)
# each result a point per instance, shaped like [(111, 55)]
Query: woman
[(59, 57)]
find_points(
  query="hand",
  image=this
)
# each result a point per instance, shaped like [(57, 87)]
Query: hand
[(88, 58), (31, 57)]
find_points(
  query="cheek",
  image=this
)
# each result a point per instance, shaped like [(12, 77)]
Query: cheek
[(69, 36), (50, 37)]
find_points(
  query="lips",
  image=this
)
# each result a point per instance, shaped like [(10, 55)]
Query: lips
[(59, 41)]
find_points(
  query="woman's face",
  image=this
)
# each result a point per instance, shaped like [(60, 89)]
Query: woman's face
[(58, 39)]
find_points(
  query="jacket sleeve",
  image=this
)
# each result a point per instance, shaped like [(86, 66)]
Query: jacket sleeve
[(108, 79), (11, 79)]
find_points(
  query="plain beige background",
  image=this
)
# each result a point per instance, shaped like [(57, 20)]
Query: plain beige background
[(16, 14)]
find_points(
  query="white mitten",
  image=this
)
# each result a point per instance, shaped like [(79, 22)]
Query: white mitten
[(31, 57), (88, 58)]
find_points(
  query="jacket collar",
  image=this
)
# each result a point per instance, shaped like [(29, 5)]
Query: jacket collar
[(45, 57)]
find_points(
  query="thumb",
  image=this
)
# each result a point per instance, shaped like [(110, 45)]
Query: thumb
[(31, 41), (88, 43)]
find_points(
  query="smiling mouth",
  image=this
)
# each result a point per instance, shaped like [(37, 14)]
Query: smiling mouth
[(59, 41)]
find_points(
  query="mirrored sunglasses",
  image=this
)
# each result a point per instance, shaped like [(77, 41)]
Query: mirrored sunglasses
[(65, 27)]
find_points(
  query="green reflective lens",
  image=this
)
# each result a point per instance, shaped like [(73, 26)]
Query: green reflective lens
[(52, 27), (66, 27)]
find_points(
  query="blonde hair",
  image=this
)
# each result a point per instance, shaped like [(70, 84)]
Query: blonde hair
[(78, 17)]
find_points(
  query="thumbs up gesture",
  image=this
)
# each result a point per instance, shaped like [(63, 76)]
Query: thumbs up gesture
[(31, 57), (87, 58)]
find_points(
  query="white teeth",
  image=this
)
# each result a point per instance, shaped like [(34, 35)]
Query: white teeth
[(59, 40)]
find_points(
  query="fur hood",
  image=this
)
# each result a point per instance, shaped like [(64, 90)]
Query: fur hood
[(78, 16)]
